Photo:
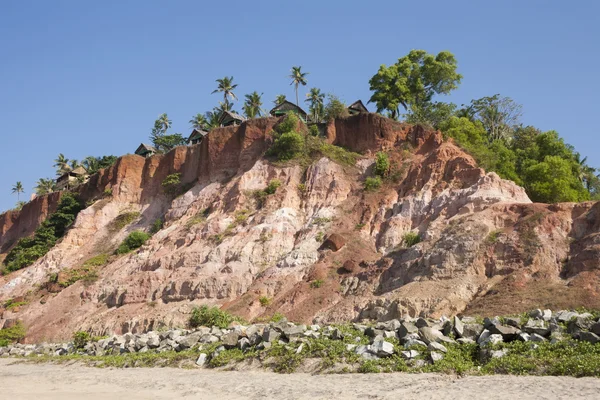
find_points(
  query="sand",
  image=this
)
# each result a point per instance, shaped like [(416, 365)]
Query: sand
[(47, 381)]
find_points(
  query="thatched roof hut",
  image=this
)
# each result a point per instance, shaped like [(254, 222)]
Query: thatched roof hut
[(230, 118), (145, 150), (196, 136), (287, 107), (357, 107)]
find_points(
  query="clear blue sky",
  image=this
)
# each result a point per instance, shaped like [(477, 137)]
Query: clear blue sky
[(89, 78)]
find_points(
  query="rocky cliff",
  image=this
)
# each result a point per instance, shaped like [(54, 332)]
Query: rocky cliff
[(319, 248)]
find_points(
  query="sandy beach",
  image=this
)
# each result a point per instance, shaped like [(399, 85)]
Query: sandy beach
[(46, 381)]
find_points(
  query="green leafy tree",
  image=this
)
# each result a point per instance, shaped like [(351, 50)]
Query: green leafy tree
[(315, 99), (432, 114), (252, 105), (335, 108), (279, 99), (298, 78), (199, 121), (413, 81), (161, 141), (552, 180), (18, 189), (45, 186), (382, 164), (500, 116), (226, 86)]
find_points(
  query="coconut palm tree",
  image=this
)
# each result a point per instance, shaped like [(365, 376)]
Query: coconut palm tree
[(226, 87), (198, 121), (75, 164), (164, 122), (315, 98), (298, 78), (212, 118), (252, 105), (279, 99), (61, 164), (18, 189), (45, 186), (91, 164)]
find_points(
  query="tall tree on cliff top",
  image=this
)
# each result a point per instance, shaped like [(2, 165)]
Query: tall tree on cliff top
[(298, 78), (315, 98), (252, 105), (226, 86), (161, 141), (45, 186), (198, 121), (61, 164), (500, 116), (413, 81), (18, 189)]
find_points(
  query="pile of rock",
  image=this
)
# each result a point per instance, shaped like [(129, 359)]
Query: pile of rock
[(410, 333)]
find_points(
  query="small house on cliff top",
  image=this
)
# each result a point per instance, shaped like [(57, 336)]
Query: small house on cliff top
[(229, 118), (357, 107), (196, 136), (71, 178), (145, 150), (287, 107)]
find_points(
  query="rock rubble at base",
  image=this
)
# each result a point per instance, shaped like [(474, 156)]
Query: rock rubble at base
[(537, 327)]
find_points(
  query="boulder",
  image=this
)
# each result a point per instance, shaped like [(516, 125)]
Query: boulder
[(382, 348), (492, 339), (350, 267), (435, 346), (436, 356), (333, 242), (409, 354), (406, 328), (509, 333), (589, 337), (201, 359), (472, 331), (429, 335), (390, 325), (295, 331), (270, 335), (189, 341), (595, 328), (537, 326), (230, 340), (459, 327)]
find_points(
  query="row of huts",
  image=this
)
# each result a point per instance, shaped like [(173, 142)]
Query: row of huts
[(229, 118)]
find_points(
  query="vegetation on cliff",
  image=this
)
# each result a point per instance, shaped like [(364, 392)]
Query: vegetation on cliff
[(29, 249)]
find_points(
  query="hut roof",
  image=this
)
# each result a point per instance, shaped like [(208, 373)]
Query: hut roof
[(230, 115), (78, 171), (197, 134), (358, 106), (145, 148), (287, 106)]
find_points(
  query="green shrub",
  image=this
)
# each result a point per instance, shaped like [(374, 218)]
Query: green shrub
[(382, 164), (272, 186), (211, 316), (335, 108), (410, 239), (87, 275), (287, 146), (264, 301), (80, 339), (96, 261), (319, 237), (318, 147), (28, 250), (11, 304), (157, 225), (372, 184), (124, 219), (133, 241), (314, 130), (171, 184), (107, 192), (289, 124), (12, 334), (317, 283)]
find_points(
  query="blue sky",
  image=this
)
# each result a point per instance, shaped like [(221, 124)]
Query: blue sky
[(89, 78)]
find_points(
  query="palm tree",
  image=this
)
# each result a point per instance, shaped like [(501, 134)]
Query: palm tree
[(18, 189), (252, 105), (212, 118), (45, 186), (75, 164), (226, 87), (298, 78), (164, 122), (280, 99), (315, 98), (61, 164), (198, 121), (91, 164)]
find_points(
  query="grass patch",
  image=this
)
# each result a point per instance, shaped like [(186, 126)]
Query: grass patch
[(87, 275), (317, 283), (133, 241), (372, 184), (12, 334), (410, 239), (124, 219), (97, 261), (211, 316), (264, 301)]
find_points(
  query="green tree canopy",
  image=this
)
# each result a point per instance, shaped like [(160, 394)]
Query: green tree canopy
[(252, 105), (413, 81), (298, 78)]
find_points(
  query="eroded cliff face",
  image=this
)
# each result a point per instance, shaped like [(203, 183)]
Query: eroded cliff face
[(485, 247)]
